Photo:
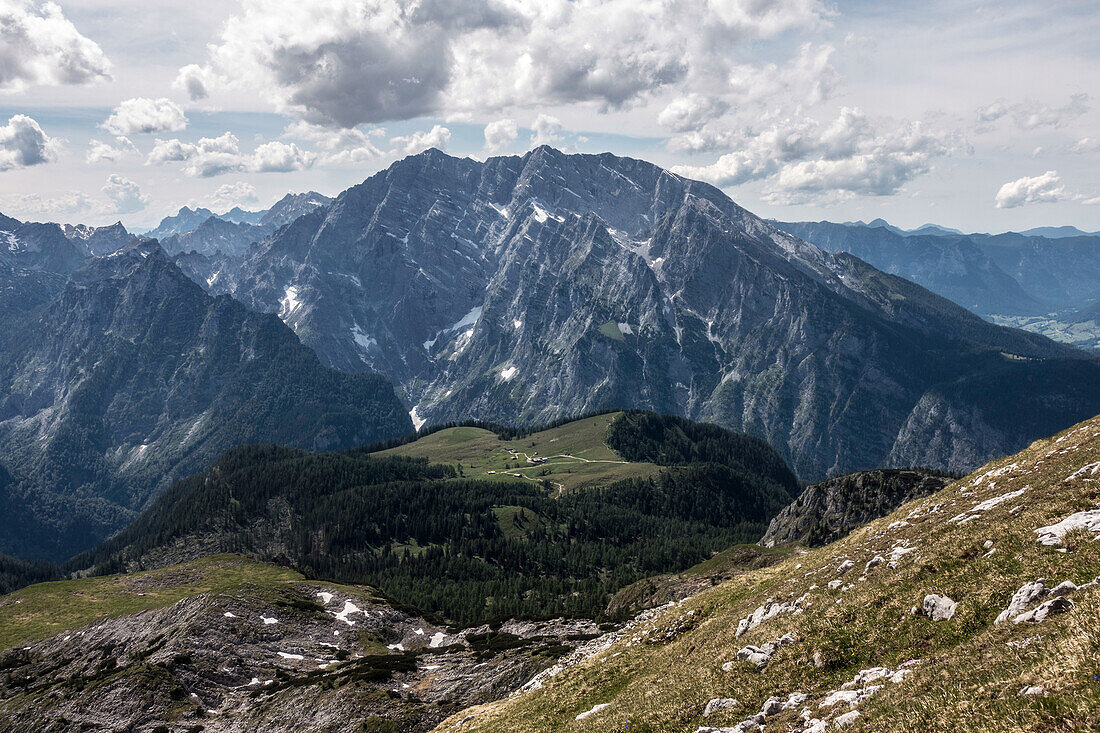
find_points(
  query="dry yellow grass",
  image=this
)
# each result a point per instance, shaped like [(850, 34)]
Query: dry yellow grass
[(970, 671)]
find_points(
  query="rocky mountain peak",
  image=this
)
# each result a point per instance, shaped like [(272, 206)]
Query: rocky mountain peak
[(599, 281)]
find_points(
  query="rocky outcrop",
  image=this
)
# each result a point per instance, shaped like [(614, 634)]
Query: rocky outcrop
[(829, 510), (1055, 534), (937, 607), (291, 206), (305, 657), (181, 222), (759, 656), (1053, 600)]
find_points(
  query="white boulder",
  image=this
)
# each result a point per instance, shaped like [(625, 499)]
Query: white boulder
[(1027, 594), (719, 703), (938, 608), (1054, 534)]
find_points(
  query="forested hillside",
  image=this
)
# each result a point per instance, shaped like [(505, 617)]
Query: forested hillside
[(476, 546)]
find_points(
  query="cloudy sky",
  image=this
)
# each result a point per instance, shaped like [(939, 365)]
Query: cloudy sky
[(979, 115)]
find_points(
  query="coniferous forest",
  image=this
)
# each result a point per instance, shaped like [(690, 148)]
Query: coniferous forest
[(470, 550)]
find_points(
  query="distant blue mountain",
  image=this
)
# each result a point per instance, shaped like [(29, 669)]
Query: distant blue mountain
[(1058, 232)]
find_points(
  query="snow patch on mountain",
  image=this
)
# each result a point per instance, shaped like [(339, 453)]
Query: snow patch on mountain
[(290, 303), (467, 320), (364, 341)]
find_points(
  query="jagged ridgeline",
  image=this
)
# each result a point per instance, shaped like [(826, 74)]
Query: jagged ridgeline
[(122, 376), (525, 289), (474, 524)]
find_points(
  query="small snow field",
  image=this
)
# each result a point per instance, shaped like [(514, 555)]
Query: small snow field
[(414, 415), (349, 609)]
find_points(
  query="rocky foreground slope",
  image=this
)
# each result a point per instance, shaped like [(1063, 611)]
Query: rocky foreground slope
[(974, 609), (227, 644)]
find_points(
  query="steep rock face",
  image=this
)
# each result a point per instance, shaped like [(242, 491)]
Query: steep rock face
[(216, 235), (184, 221), (132, 377), (290, 207), (525, 289), (99, 241), (38, 247), (828, 511), (55, 248)]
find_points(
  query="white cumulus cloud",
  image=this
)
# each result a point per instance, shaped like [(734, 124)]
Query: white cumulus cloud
[(124, 195), (143, 115), (339, 146), (349, 62), (99, 151), (214, 156), (437, 137), (210, 156), (23, 143), (238, 193), (41, 46), (691, 112), (280, 157), (1046, 188), (546, 130), (804, 159), (194, 80), (500, 134)]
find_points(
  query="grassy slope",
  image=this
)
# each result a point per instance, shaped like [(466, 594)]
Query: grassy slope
[(724, 565), (578, 454), (970, 673), (47, 609)]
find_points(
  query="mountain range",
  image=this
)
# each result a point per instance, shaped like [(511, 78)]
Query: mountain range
[(119, 375), (213, 436), (936, 229), (518, 290), (524, 289), (201, 230), (1044, 280)]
